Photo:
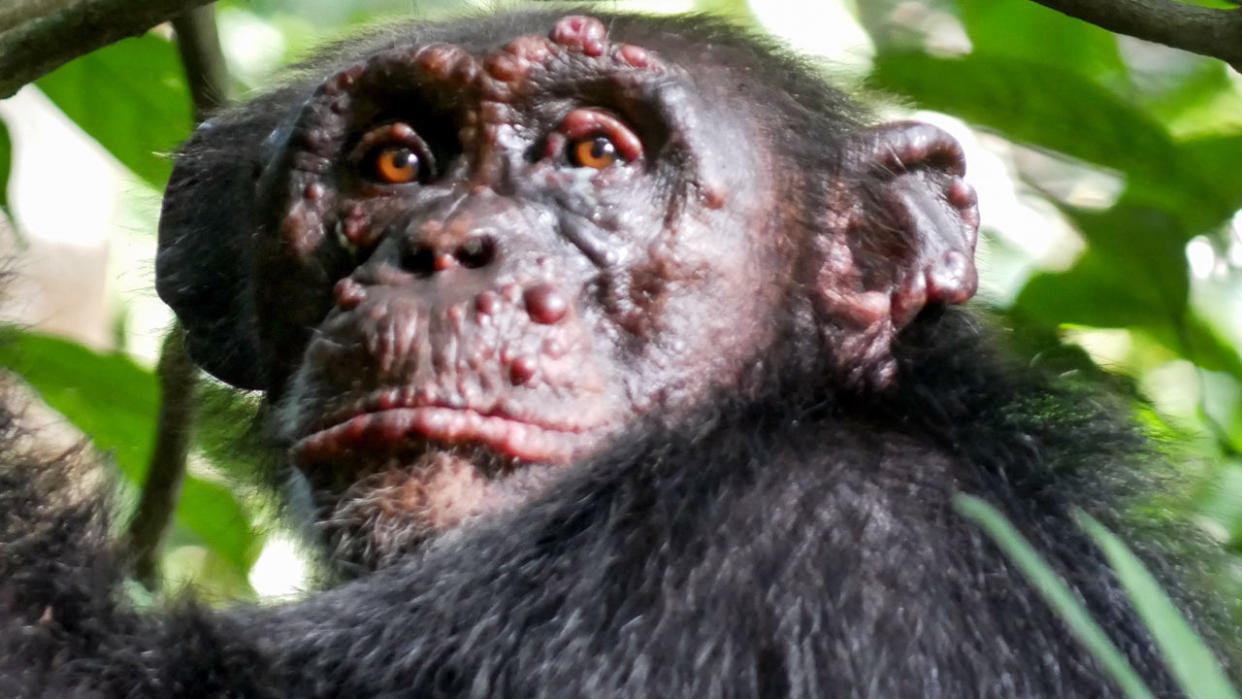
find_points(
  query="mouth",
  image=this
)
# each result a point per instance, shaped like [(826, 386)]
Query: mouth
[(387, 429)]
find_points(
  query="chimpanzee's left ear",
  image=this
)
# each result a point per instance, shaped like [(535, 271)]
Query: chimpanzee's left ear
[(899, 236)]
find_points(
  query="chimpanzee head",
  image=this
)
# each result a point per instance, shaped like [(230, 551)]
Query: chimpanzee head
[(481, 253)]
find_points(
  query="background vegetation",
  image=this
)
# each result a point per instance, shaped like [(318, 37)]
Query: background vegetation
[(1108, 169)]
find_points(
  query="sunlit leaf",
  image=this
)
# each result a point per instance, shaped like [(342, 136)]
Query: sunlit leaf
[(1200, 99), (132, 98), (1134, 274), (1030, 31), (114, 400), (1068, 113)]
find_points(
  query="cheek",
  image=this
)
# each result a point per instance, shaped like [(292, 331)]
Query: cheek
[(713, 314), (613, 199)]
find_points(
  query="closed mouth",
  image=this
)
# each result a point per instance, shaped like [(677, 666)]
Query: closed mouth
[(384, 430)]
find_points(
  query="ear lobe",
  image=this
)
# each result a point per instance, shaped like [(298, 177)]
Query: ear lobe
[(900, 236), (205, 259)]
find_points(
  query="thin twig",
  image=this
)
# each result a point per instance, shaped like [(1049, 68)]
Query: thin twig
[(208, 78), (205, 70), (162, 487)]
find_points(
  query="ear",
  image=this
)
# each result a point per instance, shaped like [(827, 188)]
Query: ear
[(205, 261), (900, 237)]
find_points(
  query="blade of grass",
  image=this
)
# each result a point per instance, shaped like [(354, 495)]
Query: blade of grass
[(1192, 663), (1055, 592)]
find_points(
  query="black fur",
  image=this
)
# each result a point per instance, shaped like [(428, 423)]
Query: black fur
[(803, 545), (799, 544)]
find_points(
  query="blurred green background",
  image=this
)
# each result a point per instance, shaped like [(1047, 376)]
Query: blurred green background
[(1109, 172)]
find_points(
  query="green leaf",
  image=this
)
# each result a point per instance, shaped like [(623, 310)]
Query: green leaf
[(6, 166), (1192, 663), (1055, 592), (1214, 161), (1133, 275), (1197, 98), (1194, 181), (116, 402), (131, 97), (107, 396), (1069, 113), (1030, 31)]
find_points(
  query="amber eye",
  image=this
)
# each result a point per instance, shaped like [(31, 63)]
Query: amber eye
[(598, 152), (395, 164)]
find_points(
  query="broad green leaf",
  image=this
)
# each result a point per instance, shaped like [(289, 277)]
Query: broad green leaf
[(1133, 275), (1029, 31), (1194, 339), (6, 166), (115, 401), (1068, 113), (1201, 98), (1055, 592), (107, 396), (132, 98), (1214, 160), (1192, 663), (1146, 245), (1096, 292)]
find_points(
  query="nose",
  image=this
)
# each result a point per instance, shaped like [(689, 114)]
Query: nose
[(436, 246)]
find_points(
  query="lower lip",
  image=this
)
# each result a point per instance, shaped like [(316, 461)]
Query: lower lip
[(385, 429)]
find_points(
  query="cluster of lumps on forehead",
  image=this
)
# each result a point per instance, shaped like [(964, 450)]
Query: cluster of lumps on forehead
[(452, 73), (508, 69), (502, 75)]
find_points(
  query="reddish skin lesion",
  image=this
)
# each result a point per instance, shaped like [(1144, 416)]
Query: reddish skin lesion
[(502, 316)]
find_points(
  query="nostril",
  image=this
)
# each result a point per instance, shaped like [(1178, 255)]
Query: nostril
[(477, 252), (418, 259)]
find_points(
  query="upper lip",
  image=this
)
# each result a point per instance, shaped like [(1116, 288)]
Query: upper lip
[(381, 422), (382, 403)]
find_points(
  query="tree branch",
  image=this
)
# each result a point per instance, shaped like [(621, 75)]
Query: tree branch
[(37, 36), (206, 73), (208, 78), (1216, 33), (162, 488)]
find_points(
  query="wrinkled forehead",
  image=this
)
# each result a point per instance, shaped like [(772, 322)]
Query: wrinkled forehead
[(493, 80), (491, 87)]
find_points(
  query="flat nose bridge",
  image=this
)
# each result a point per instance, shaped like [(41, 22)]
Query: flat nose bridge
[(465, 234)]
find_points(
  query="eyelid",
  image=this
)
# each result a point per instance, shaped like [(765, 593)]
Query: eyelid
[(585, 123), (396, 133)]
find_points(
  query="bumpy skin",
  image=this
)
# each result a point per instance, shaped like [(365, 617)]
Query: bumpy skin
[(688, 424)]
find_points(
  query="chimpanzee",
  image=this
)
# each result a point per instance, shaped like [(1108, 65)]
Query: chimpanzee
[(617, 356)]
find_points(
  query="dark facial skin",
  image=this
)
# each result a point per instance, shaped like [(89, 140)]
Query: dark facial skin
[(551, 272), (471, 267), (636, 342)]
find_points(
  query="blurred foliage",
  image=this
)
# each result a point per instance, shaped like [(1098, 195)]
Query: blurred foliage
[(1027, 80), (116, 401), (1169, 124), (131, 97)]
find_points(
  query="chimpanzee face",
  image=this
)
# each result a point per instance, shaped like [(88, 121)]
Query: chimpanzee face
[(483, 267)]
